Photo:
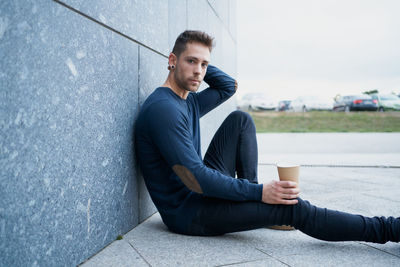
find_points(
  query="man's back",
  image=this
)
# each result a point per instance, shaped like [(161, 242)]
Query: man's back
[(164, 107)]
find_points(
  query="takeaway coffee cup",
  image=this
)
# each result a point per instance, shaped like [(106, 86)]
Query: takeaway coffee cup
[(287, 172)]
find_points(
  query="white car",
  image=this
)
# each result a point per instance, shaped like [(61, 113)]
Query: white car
[(306, 103), (256, 101), (387, 102)]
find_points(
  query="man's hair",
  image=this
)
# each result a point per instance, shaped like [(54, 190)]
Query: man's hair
[(192, 37)]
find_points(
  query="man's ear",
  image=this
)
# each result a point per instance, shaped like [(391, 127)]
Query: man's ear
[(172, 60)]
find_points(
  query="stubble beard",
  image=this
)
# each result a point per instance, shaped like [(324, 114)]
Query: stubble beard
[(184, 85)]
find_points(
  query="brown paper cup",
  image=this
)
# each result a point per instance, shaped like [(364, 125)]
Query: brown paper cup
[(287, 173)]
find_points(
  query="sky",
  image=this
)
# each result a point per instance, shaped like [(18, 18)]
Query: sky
[(290, 48)]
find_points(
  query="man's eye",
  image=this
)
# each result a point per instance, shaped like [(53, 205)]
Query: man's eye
[(204, 65), (191, 61)]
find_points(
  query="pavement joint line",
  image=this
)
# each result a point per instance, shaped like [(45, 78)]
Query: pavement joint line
[(262, 251), (240, 262), (97, 253), (139, 253), (340, 166), (384, 251), (379, 197)]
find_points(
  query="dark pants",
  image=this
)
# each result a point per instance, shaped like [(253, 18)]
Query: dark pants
[(234, 150)]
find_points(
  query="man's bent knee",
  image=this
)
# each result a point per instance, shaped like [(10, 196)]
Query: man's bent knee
[(240, 116)]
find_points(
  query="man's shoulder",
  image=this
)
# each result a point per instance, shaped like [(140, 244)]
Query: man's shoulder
[(157, 98), (159, 105)]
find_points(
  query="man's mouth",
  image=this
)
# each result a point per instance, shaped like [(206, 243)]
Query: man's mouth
[(194, 81)]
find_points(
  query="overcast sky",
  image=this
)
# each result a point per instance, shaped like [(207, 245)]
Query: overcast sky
[(289, 48)]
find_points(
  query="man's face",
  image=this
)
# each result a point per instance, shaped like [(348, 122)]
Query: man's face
[(191, 66)]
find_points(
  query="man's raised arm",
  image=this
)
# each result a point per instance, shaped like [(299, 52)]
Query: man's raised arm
[(222, 87)]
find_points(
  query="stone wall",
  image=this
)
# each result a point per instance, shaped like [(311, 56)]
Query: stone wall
[(73, 76)]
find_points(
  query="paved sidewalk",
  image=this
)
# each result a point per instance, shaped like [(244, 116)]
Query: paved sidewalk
[(331, 149), (364, 190)]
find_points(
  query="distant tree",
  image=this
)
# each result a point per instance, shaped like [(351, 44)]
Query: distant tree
[(375, 91)]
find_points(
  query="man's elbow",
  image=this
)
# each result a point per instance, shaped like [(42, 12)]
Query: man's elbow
[(187, 178)]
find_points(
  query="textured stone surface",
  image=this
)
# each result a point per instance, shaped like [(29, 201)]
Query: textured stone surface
[(271, 262), (346, 149), (221, 8), (69, 93), (329, 143), (224, 57), (152, 73), (144, 21), (118, 254), (177, 20), (197, 15), (296, 249), (71, 89), (160, 247), (323, 159), (232, 18)]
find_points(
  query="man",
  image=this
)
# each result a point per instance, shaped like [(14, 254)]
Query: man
[(203, 197)]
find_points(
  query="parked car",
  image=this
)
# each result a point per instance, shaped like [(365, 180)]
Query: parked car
[(256, 101), (387, 102), (306, 103), (356, 103), (283, 105)]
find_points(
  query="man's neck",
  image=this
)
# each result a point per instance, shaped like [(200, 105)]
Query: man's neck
[(170, 83)]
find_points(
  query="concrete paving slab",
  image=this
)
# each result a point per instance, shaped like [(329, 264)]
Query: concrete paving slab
[(391, 248), (343, 149), (118, 253), (259, 263), (161, 247), (296, 249), (366, 191), (364, 143), (346, 255), (334, 159)]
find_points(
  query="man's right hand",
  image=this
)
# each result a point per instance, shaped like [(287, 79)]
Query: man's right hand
[(280, 192)]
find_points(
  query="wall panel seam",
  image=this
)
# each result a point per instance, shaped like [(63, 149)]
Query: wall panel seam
[(222, 22), (109, 28)]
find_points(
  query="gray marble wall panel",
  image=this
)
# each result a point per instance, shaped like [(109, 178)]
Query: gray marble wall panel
[(232, 18), (197, 15), (177, 20), (68, 95), (73, 76), (144, 21), (223, 56), (152, 74), (221, 8), (215, 28)]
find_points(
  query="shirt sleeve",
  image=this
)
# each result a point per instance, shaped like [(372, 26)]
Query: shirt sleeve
[(222, 87), (170, 134)]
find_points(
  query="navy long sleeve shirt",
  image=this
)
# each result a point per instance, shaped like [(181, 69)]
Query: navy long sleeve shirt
[(168, 135)]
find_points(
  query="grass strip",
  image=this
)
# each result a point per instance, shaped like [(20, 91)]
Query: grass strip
[(325, 121)]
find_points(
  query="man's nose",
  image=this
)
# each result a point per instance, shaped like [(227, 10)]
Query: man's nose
[(197, 69)]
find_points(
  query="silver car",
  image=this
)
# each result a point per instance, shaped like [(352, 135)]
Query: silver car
[(306, 103), (256, 101)]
